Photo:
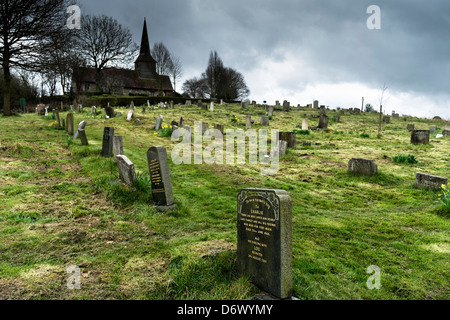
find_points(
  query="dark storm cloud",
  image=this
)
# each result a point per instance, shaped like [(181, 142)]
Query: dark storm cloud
[(410, 52)]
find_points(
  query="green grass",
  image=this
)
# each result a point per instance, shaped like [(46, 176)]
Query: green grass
[(62, 205)]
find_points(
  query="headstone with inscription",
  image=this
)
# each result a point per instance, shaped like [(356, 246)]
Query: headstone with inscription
[(158, 166), (264, 239)]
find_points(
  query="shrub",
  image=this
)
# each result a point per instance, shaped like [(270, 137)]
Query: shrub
[(364, 135), (306, 132), (409, 159)]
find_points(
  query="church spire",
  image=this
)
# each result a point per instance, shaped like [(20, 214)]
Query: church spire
[(145, 64)]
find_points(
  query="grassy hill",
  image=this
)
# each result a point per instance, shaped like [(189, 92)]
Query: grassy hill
[(61, 206)]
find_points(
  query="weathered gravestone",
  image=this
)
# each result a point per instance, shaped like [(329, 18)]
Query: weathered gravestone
[(305, 124), (432, 129), (264, 239), (83, 137), (107, 144), (316, 104), (127, 173), (58, 119), (117, 146), (211, 106), (181, 122), (69, 123), (158, 167), (420, 137), (286, 106), (428, 181), (323, 121), (289, 137), (264, 121), (109, 111), (270, 113), (446, 130), (130, 115), (362, 167), (159, 122), (81, 125), (282, 147), (410, 127), (386, 119), (248, 122)]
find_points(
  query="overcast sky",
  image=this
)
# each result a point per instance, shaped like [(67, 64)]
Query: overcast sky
[(302, 50)]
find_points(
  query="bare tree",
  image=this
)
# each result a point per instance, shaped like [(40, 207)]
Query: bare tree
[(163, 59), (104, 42), (195, 87), (25, 28), (176, 70)]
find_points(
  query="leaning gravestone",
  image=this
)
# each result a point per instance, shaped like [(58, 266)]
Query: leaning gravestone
[(158, 167), (428, 181), (82, 125), (107, 144), (83, 137), (69, 123), (159, 121), (126, 170), (264, 239), (362, 167), (117, 146), (420, 137)]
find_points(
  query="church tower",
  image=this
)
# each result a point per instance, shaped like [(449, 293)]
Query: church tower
[(145, 65)]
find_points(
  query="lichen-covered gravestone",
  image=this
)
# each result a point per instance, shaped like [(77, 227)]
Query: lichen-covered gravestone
[(362, 167), (264, 239), (420, 137), (158, 167), (126, 170), (289, 137), (428, 181), (83, 137)]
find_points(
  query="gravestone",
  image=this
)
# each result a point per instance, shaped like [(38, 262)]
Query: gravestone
[(83, 137), (386, 119), (432, 129), (282, 147), (46, 111), (428, 181), (211, 106), (81, 125), (203, 127), (127, 173), (58, 118), (117, 146), (446, 130), (316, 104), (181, 122), (362, 167), (289, 137), (109, 111), (130, 115), (248, 122), (323, 121), (270, 111), (264, 239), (158, 167), (171, 104), (188, 102), (286, 106), (410, 127), (264, 121), (277, 103), (395, 115), (159, 122), (107, 143), (69, 123), (305, 124), (420, 137), (220, 127)]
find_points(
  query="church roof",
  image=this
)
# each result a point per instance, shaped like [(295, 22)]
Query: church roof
[(128, 79)]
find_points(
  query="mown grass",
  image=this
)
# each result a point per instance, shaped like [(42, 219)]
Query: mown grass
[(62, 205)]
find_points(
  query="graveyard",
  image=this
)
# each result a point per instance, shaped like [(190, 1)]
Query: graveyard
[(64, 202)]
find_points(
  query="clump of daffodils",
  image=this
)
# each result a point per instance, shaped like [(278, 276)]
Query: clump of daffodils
[(233, 118), (444, 197), (166, 131)]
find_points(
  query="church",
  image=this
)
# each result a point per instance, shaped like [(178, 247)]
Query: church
[(142, 81)]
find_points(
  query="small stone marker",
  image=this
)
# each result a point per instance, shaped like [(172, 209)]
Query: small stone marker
[(117, 146), (83, 137), (428, 181), (410, 127), (264, 239), (420, 137), (69, 123), (211, 106), (362, 167), (305, 124), (282, 147), (159, 121), (126, 170), (264, 121), (158, 166), (82, 126), (107, 144)]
